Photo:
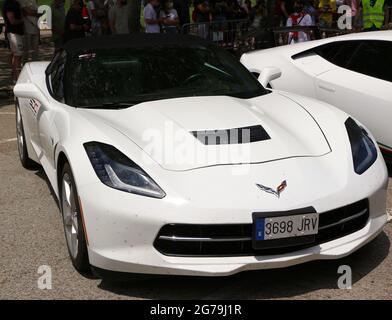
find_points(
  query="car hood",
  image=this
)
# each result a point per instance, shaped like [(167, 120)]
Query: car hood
[(172, 132)]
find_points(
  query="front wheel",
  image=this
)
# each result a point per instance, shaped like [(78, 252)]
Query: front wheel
[(73, 221)]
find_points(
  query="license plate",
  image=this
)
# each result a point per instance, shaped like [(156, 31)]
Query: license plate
[(269, 228)]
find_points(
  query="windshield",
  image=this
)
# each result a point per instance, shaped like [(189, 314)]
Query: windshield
[(129, 76)]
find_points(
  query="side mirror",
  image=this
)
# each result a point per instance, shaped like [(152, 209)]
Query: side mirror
[(29, 90), (268, 74)]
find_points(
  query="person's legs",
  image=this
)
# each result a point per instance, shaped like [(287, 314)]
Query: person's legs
[(16, 47)]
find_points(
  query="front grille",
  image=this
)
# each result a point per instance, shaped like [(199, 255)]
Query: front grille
[(236, 239)]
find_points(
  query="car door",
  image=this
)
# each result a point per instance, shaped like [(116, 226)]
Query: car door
[(46, 129), (362, 85)]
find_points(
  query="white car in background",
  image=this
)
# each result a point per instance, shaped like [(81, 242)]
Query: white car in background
[(279, 179), (352, 72)]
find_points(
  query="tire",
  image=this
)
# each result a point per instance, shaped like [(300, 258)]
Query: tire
[(72, 221), (21, 140)]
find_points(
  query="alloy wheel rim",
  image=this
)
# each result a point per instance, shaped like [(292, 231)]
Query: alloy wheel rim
[(19, 132), (70, 215)]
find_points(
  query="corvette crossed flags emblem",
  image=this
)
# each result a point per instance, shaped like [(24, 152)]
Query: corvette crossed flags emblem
[(276, 192)]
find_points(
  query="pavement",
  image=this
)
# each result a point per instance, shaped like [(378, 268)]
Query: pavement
[(31, 235)]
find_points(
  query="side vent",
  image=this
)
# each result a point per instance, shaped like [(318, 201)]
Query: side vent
[(232, 136)]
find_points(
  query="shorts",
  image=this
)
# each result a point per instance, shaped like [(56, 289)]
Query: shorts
[(16, 44)]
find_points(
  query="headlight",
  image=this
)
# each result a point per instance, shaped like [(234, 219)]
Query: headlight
[(363, 148), (116, 170)]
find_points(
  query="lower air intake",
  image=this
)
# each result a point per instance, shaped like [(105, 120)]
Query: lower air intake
[(236, 239)]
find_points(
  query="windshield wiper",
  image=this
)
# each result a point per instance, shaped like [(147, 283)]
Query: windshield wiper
[(109, 105)]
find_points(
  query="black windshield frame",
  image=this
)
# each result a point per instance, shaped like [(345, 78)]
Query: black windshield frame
[(78, 64)]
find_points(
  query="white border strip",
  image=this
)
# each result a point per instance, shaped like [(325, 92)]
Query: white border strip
[(7, 140)]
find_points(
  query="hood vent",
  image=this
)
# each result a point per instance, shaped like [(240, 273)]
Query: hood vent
[(232, 136)]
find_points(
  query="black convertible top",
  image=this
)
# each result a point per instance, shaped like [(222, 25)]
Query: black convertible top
[(132, 41)]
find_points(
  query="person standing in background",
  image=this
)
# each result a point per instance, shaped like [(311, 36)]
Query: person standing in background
[(202, 15), (374, 14), (100, 13), (202, 11), (327, 10), (58, 22), (119, 17), (310, 10), (75, 26), (280, 13), (298, 18), (283, 10), (182, 8), (152, 23), (259, 16), (96, 28), (31, 29), (170, 18), (86, 17), (14, 25)]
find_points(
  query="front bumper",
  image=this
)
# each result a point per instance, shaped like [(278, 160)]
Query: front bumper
[(225, 266), (121, 227)]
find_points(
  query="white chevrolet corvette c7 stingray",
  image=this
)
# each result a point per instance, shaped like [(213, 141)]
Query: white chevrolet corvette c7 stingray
[(274, 179)]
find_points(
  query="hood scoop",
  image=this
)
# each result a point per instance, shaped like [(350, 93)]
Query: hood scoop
[(232, 136)]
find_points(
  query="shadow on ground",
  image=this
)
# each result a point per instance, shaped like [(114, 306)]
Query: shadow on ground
[(264, 284), (39, 172)]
